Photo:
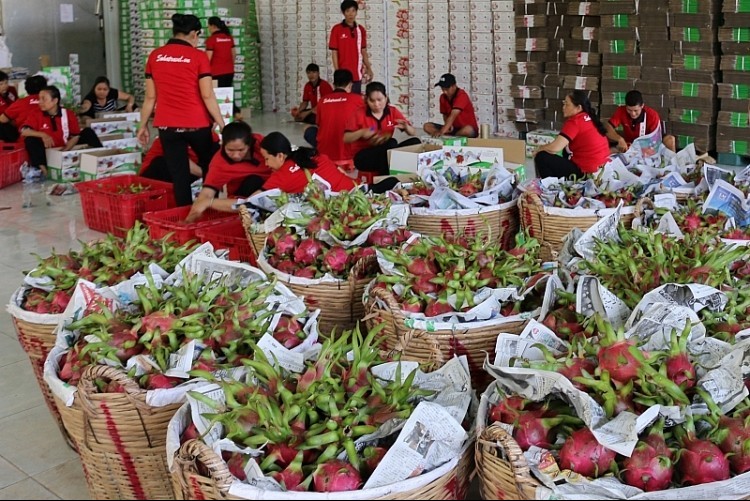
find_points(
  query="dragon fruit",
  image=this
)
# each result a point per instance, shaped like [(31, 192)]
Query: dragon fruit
[(646, 469), (336, 476), (583, 454), (336, 260), (307, 251)]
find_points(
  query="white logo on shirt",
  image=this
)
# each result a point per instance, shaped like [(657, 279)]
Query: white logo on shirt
[(161, 58), (294, 168), (334, 100)]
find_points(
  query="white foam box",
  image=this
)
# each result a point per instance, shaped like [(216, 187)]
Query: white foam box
[(103, 126), (463, 70), (505, 39), (504, 100), (458, 6), (483, 101), (459, 18), (439, 17), (460, 156), (109, 162), (65, 165), (482, 84), (481, 27), (506, 18), (410, 158)]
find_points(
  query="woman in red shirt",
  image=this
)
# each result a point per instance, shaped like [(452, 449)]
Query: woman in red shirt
[(154, 165), (293, 169), (221, 52), (52, 126), (370, 131), (583, 137), (8, 93), (180, 92), (238, 165)]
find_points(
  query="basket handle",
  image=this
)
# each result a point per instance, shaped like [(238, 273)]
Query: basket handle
[(495, 441), (87, 387), (192, 452), (642, 205), (525, 203)]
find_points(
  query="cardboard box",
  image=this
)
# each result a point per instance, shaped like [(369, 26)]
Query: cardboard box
[(105, 163), (538, 138), (411, 158), (120, 142), (690, 116), (103, 126), (64, 166)]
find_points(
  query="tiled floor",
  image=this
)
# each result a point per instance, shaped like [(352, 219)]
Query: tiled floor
[(35, 462)]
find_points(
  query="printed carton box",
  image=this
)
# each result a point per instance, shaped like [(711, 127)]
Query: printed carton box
[(64, 166), (410, 158), (105, 163)]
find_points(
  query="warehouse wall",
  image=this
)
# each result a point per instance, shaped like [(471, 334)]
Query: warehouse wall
[(34, 28)]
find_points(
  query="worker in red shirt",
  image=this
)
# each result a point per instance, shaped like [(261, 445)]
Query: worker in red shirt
[(370, 132), (180, 89), (348, 41), (457, 110), (8, 93), (221, 52), (154, 165), (238, 165), (16, 114), (332, 116), (314, 90), (52, 126), (636, 120), (583, 137)]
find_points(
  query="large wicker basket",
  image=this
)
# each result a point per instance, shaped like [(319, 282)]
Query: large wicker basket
[(550, 225), (501, 466), (36, 333), (339, 301), (257, 240), (450, 481), (435, 347), (124, 445), (499, 221)]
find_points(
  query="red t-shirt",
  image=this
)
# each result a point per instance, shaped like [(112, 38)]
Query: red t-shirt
[(461, 102), (364, 120), (222, 62), (21, 109), (291, 178), (589, 149), (10, 98), (52, 125), (313, 94), (156, 151), (222, 171), (175, 69), (349, 41), (331, 118), (633, 129)]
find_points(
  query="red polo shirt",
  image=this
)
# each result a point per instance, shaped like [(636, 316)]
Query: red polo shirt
[(52, 125), (156, 151), (383, 126), (291, 178), (222, 62), (175, 69), (590, 150), (349, 41), (10, 98), (461, 102), (647, 123), (331, 118), (312, 94), (21, 109), (222, 171)]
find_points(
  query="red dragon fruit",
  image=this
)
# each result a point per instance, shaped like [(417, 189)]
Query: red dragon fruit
[(583, 454), (733, 437), (679, 368), (291, 477), (336, 260), (614, 355), (380, 237), (287, 332), (437, 307), (308, 251), (336, 476), (507, 410), (701, 462), (646, 469), (286, 245), (533, 429)]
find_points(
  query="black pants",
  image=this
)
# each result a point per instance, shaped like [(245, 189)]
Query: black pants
[(227, 81), (158, 171), (384, 185), (549, 165), (38, 153), (250, 185), (311, 136), (8, 132), (357, 87), (310, 119), (175, 146), (375, 159)]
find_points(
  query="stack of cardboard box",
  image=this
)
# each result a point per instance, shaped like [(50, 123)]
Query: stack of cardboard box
[(734, 91), (531, 47), (419, 66), (621, 59), (503, 27), (574, 57), (439, 55), (694, 35), (389, 53), (483, 76)]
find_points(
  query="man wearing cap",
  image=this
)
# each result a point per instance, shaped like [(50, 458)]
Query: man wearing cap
[(636, 120), (457, 111)]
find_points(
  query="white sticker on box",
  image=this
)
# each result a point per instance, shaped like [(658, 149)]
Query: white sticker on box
[(584, 8), (524, 91), (582, 58), (520, 115), (528, 21), (589, 33), (522, 68), (531, 44), (581, 83)]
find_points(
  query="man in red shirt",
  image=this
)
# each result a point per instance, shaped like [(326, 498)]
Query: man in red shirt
[(457, 111), (333, 113), (348, 41), (315, 89), (18, 112), (636, 120)]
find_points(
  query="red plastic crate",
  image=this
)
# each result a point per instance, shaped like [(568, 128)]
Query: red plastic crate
[(12, 156), (229, 235), (160, 223), (107, 210)]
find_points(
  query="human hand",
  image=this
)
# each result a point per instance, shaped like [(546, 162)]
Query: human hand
[(367, 133), (367, 75), (129, 108), (198, 208), (401, 124), (47, 140), (622, 146), (143, 135)]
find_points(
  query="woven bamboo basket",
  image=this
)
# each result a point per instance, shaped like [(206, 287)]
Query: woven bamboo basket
[(340, 301), (501, 466), (452, 483), (124, 445), (435, 348), (500, 221), (257, 240), (36, 333), (551, 226)]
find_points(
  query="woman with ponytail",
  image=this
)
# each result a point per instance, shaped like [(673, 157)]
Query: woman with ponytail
[(221, 52), (583, 138)]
